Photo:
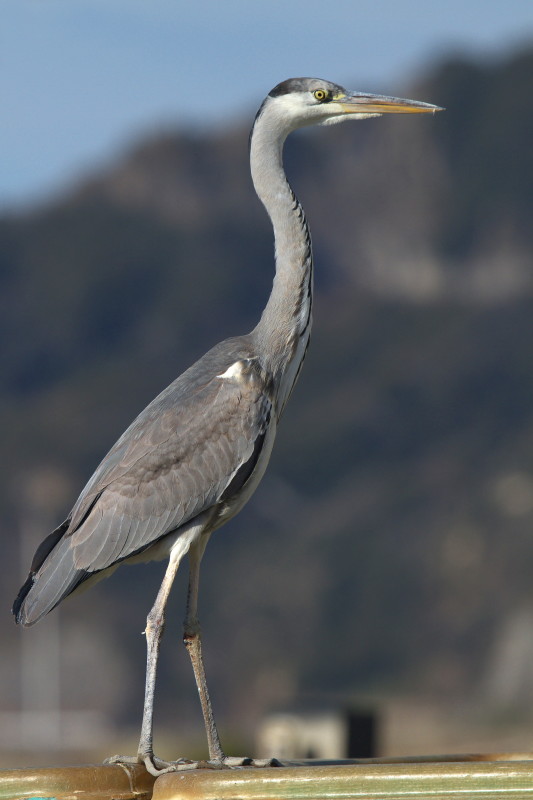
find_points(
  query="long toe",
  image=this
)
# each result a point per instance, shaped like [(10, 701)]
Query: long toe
[(237, 761), (155, 766), (129, 760)]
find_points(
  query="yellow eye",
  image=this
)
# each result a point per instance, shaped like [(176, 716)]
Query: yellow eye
[(320, 95)]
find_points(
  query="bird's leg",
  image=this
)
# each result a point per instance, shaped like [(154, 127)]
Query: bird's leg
[(193, 643), (155, 625)]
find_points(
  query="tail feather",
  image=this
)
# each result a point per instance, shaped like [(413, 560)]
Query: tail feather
[(48, 544), (19, 600), (53, 577)]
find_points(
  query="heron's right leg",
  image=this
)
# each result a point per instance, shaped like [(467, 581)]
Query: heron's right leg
[(155, 625)]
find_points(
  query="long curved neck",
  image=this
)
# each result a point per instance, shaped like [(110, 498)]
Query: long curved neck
[(283, 331)]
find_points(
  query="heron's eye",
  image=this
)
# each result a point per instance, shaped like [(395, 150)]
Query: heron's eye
[(320, 95)]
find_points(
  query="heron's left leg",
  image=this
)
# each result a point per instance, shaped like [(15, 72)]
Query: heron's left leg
[(193, 643)]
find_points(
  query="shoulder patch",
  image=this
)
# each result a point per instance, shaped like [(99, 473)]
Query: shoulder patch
[(233, 371)]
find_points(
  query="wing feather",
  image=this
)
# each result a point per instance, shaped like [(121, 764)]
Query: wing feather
[(173, 463)]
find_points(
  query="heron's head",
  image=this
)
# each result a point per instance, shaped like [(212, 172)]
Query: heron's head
[(298, 102)]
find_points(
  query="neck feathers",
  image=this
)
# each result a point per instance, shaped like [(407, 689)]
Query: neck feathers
[(283, 331)]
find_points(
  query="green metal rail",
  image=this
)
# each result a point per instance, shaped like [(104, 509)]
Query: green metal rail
[(441, 778), (77, 783), (476, 780)]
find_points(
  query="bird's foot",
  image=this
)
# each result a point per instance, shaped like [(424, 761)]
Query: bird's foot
[(156, 766), (227, 762)]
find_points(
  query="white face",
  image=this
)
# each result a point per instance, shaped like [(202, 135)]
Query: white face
[(318, 106)]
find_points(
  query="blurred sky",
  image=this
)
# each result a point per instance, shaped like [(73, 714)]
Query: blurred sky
[(79, 79)]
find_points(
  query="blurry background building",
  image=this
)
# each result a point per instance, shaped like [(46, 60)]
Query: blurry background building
[(323, 735), (387, 558)]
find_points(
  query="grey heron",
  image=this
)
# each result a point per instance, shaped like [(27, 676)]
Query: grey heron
[(191, 460)]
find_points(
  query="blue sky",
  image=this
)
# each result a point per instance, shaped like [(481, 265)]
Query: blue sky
[(80, 79)]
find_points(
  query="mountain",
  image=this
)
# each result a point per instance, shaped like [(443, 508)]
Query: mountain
[(389, 548)]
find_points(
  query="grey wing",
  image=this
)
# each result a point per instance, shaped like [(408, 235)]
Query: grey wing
[(197, 442), (211, 442)]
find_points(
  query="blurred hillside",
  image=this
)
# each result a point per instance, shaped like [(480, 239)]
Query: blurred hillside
[(389, 550)]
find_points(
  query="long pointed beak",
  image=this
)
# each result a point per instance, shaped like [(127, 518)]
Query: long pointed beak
[(359, 103)]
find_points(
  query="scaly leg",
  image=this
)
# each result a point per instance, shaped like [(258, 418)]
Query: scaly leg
[(193, 643), (155, 625)]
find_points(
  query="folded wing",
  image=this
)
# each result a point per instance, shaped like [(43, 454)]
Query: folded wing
[(182, 456)]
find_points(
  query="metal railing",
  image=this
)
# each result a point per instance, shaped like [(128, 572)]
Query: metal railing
[(462, 776)]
